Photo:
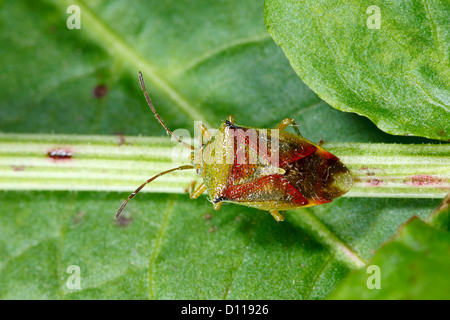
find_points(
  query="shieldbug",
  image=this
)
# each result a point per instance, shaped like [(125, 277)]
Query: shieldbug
[(268, 169)]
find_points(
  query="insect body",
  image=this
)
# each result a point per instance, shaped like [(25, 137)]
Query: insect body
[(267, 169)]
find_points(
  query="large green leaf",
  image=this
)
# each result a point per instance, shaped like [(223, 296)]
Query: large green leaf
[(200, 62), (386, 60), (169, 248), (412, 266)]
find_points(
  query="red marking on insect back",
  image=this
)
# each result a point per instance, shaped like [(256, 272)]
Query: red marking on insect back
[(425, 180), (267, 185), (60, 154), (248, 184), (295, 155), (248, 141)]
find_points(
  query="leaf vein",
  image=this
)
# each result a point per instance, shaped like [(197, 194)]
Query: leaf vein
[(157, 248), (216, 51), (343, 252), (114, 43)]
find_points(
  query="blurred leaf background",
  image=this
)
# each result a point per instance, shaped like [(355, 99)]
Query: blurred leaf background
[(201, 61), (387, 61)]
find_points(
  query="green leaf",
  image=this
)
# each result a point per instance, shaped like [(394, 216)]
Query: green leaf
[(388, 61), (440, 218), (200, 62), (168, 247), (413, 265)]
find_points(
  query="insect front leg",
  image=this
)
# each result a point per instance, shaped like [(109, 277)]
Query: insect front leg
[(277, 215), (287, 122), (321, 142), (206, 135), (231, 119), (194, 194), (205, 132)]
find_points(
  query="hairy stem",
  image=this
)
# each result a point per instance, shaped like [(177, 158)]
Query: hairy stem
[(116, 163)]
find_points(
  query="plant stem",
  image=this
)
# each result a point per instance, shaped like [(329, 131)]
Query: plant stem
[(117, 163)]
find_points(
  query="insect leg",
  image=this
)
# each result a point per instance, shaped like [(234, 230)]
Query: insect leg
[(286, 122), (197, 193), (217, 205), (277, 215), (321, 142), (205, 133)]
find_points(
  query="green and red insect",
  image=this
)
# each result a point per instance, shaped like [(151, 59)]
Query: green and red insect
[(268, 169)]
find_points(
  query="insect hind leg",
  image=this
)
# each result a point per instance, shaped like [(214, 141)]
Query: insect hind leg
[(287, 122), (277, 215)]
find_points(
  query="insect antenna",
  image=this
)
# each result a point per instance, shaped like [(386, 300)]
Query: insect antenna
[(131, 196), (150, 104)]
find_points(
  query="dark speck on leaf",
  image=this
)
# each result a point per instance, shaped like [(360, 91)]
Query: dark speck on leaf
[(208, 216), (100, 91), (18, 168), (123, 221), (78, 218), (60, 154)]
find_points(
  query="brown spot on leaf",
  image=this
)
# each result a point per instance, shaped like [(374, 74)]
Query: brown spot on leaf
[(121, 139), (425, 180), (100, 91), (60, 154), (79, 217), (375, 182), (208, 216), (123, 221)]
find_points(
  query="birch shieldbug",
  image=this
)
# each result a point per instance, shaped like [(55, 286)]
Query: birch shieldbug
[(268, 169)]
